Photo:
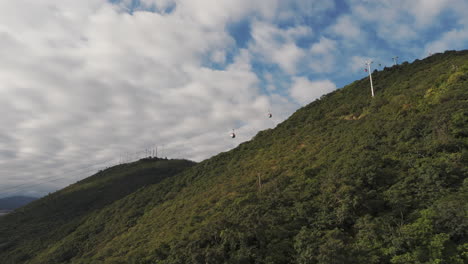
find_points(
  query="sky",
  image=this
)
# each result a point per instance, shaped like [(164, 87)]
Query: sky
[(88, 84)]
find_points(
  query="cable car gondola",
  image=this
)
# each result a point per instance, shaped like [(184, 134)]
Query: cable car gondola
[(233, 135)]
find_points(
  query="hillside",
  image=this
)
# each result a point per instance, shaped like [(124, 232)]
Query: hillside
[(346, 179), (13, 202), (30, 228)]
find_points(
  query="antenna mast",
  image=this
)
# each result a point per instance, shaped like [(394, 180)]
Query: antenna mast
[(368, 63)]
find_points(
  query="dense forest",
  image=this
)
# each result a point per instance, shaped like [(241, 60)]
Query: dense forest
[(346, 179)]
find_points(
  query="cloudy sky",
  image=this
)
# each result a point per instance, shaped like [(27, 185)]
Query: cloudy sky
[(87, 84)]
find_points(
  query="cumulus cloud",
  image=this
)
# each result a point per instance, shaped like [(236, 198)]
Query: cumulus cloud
[(454, 39), (346, 27), (305, 91), (425, 11), (277, 46), (324, 46), (403, 21), (323, 55)]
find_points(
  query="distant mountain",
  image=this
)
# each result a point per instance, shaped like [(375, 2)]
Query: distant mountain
[(13, 202), (4, 212), (346, 179)]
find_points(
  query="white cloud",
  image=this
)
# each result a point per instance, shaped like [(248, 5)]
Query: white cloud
[(323, 55), (276, 45), (323, 64), (288, 56), (346, 27), (218, 56), (305, 91), (324, 46), (217, 12), (402, 21), (425, 11), (454, 39)]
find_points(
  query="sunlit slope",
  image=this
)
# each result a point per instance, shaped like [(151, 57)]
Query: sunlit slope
[(30, 229), (346, 179)]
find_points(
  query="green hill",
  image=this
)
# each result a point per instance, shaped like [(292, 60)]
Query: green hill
[(32, 228), (346, 179)]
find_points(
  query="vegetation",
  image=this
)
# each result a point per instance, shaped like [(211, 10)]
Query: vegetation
[(346, 179), (30, 229)]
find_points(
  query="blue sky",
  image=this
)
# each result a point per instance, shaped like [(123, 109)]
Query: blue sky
[(100, 82)]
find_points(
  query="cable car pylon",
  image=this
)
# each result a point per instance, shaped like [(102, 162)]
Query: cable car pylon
[(368, 63)]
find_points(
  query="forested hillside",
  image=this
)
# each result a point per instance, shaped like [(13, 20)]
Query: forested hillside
[(33, 228), (346, 179)]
